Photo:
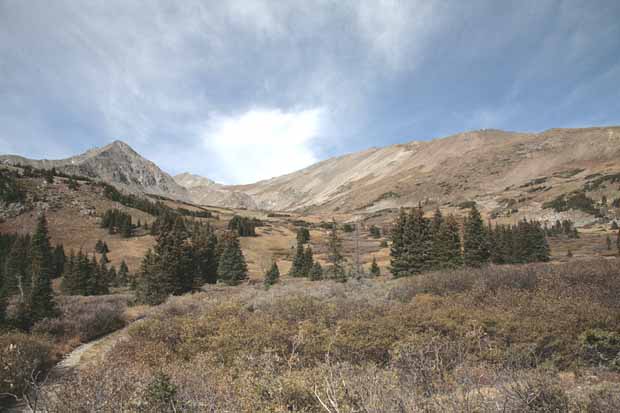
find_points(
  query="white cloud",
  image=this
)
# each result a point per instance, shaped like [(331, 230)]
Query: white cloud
[(263, 143)]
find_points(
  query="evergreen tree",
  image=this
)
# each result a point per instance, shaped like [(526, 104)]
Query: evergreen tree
[(41, 301), (232, 268), (374, 231), (204, 250), (99, 246), (303, 235), (174, 257), (59, 259), (18, 274), (375, 271), (418, 243), (272, 275), (475, 240), (608, 241), (614, 225), (298, 266), (104, 258), (122, 276), (334, 254), (316, 273), (152, 288), (308, 261), (398, 263)]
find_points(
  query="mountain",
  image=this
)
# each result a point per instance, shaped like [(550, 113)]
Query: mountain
[(207, 192), (117, 164), (502, 171)]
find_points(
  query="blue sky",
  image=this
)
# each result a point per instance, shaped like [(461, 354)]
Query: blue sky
[(245, 90)]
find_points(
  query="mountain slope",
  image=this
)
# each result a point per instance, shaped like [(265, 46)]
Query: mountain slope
[(117, 164), (468, 166), (207, 192)]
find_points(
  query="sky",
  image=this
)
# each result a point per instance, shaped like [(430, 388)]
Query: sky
[(243, 90)]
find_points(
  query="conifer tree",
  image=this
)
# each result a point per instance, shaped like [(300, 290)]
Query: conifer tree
[(151, 288), (475, 240), (41, 301), (59, 259), (272, 275), (18, 274), (303, 235), (232, 268), (308, 261), (122, 275), (375, 271), (175, 258), (608, 241), (316, 273), (418, 243), (398, 263), (334, 254), (298, 266), (99, 246), (204, 247)]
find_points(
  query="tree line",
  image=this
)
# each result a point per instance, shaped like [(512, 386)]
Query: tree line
[(117, 222), (421, 244)]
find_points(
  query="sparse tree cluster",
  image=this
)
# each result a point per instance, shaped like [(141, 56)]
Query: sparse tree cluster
[(187, 255), (244, 226), (374, 231), (335, 258), (518, 244), (564, 227), (420, 244), (85, 275), (28, 266), (117, 222), (303, 261)]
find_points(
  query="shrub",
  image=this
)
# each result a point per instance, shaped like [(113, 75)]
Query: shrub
[(23, 357), (600, 347)]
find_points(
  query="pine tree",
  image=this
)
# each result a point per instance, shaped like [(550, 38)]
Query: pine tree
[(152, 287), (303, 235), (272, 275), (375, 271), (41, 301), (232, 268), (298, 266), (104, 258), (122, 275), (398, 263), (475, 240), (204, 246), (59, 259), (334, 254), (308, 261), (175, 258), (418, 243), (316, 273), (99, 246)]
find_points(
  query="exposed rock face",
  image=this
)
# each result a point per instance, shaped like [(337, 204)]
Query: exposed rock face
[(117, 164), (207, 192)]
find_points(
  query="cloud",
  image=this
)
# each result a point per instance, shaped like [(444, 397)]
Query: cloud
[(262, 143), (74, 75)]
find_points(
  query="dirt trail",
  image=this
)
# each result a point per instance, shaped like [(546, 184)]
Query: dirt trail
[(81, 357)]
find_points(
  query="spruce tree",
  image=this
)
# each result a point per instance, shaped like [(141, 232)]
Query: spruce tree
[(475, 240), (375, 271), (303, 235), (272, 275), (418, 243), (398, 263), (308, 261), (232, 268), (316, 273), (334, 254), (204, 246), (298, 266), (41, 301), (122, 275), (59, 259), (151, 288)]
